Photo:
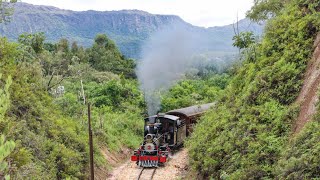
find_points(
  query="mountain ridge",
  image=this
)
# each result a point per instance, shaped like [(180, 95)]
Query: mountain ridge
[(128, 28)]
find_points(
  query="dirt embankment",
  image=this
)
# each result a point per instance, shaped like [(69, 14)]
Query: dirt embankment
[(308, 96), (175, 168), (113, 159)]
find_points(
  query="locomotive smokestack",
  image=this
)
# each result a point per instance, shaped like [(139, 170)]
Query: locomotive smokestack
[(151, 128), (151, 120)]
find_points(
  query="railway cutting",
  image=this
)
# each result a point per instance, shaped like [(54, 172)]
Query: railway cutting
[(166, 132)]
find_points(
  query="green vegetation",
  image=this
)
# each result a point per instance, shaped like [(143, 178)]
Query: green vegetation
[(265, 9), (44, 88), (247, 134), (104, 56), (194, 91), (43, 111), (6, 147), (300, 159), (243, 40)]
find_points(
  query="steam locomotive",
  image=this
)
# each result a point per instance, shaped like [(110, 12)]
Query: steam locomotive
[(165, 132)]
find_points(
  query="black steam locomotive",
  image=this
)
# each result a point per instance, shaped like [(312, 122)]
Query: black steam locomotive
[(166, 132)]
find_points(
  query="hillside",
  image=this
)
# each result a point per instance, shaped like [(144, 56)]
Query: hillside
[(44, 127), (255, 131), (128, 28)]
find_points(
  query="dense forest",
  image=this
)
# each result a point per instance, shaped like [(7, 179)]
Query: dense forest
[(45, 88)]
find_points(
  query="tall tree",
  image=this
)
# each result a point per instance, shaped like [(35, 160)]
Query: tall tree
[(243, 40), (105, 56), (74, 48), (63, 46)]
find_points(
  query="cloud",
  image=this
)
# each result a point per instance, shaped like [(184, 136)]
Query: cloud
[(205, 13)]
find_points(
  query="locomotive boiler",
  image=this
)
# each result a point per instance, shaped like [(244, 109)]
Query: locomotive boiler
[(165, 132)]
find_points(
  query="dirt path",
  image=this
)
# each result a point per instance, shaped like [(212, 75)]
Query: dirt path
[(308, 96), (174, 169)]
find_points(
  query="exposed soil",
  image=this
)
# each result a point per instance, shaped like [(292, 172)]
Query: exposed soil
[(175, 168), (308, 96), (113, 159)]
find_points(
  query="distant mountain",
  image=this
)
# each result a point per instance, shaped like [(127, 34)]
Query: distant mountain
[(128, 28)]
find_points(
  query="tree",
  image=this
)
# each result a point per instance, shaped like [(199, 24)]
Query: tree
[(63, 46), (35, 41), (243, 40), (6, 10), (105, 56), (74, 48), (246, 41), (49, 47), (265, 9), (101, 39)]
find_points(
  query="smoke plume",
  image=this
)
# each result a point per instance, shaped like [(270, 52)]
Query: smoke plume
[(166, 57)]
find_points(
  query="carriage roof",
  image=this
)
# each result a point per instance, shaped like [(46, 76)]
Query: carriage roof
[(192, 110), (167, 116)]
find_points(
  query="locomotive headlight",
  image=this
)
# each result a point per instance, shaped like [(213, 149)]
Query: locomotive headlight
[(149, 138)]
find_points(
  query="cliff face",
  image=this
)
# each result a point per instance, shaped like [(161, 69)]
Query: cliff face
[(128, 28), (31, 17)]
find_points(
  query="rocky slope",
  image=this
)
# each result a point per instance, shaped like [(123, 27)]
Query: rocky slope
[(128, 28)]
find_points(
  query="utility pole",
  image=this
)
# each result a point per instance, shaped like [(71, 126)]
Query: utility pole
[(82, 92), (90, 144)]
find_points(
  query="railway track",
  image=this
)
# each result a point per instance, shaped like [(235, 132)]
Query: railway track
[(147, 173)]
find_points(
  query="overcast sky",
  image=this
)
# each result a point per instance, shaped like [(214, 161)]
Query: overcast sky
[(206, 13)]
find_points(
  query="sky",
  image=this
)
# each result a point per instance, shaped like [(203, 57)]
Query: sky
[(205, 13)]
